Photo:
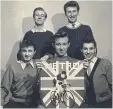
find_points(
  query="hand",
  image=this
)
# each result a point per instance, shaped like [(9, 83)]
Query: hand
[(2, 103), (85, 64), (44, 58)]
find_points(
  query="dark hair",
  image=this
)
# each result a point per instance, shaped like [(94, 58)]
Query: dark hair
[(39, 8), (25, 43), (89, 39), (60, 35), (71, 4)]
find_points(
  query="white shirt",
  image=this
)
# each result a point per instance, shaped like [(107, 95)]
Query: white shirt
[(92, 63), (76, 25), (36, 30), (23, 64)]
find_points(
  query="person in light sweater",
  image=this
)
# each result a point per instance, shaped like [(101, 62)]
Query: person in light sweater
[(21, 80)]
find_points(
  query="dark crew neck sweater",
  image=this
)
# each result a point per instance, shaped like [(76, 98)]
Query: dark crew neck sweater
[(43, 41), (76, 37)]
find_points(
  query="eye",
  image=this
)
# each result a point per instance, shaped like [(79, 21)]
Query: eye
[(84, 48), (30, 51), (64, 43), (91, 48)]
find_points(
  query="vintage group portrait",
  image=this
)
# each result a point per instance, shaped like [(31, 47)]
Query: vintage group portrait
[(56, 54)]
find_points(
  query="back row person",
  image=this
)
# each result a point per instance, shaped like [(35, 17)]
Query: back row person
[(76, 31)]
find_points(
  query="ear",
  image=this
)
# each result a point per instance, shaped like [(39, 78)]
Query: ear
[(81, 50), (68, 44), (53, 45), (34, 51)]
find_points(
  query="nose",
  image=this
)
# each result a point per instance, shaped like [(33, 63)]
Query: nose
[(61, 47), (88, 51), (27, 53)]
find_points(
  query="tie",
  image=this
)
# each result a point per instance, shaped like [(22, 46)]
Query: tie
[(89, 70), (73, 25)]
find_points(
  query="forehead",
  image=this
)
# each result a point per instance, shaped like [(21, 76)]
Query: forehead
[(39, 12), (88, 45), (61, 40), (27, 48), (71, 8)]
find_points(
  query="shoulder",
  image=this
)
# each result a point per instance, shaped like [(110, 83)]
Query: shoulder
[(85, 26), (73, 60), (62, 28), (105, 61), (28, 32), (49, 32), (51, 59)]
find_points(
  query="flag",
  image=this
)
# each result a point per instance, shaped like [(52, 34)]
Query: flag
[(75, 78)]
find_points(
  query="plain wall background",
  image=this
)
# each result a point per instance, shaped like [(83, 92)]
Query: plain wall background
[(16, 19)]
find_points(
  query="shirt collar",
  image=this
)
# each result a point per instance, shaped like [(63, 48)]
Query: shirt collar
[(36, 30), (23, 64), (77, 24), (93, 60)]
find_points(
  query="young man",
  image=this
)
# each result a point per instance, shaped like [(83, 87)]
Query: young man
[(76, 31), (39, 35), (21, 80), (61, 44), (98, 77)]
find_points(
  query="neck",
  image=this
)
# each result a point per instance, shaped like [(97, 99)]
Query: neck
[(26, 61), (73, 22), (39, 27), (61, 56)]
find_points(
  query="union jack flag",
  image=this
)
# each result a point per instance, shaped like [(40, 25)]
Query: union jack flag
[(74, 77)]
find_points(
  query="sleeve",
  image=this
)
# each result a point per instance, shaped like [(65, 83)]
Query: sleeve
[(6, 82), (89, 31), (108, 69), (26, 36)]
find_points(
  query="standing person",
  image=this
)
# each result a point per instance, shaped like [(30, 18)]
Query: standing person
[(21, 80), (76, 31), (39, 35), (98, 77), (61, 44)]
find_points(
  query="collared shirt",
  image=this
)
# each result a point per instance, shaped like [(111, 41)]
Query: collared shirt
[(92, 63), (23, 64), (36, 30), (76, 25)]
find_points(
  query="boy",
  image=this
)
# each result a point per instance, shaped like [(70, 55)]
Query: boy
[(21, 80)]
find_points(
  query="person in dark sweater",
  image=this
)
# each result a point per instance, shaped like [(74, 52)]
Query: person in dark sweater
[(40, 36), (76, 31), (21, 80), (98, 77), (61, 44)]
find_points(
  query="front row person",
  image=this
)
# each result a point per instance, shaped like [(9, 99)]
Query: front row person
[(98, 77), (21, 80)]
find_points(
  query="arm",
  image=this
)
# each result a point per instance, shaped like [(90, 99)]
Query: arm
[(89, 31), (108, 69), (6, 84)]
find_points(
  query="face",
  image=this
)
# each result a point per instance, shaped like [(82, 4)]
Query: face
[(61, 45), (89, 51), (72, 13), (27, 53), (39, 17)]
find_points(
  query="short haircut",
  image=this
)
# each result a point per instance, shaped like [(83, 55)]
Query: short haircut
[(25, 43), (60, 35), (39, 8), (89, 39), (71, 4)]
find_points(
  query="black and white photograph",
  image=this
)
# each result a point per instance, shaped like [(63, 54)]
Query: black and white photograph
[(56, 54)]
